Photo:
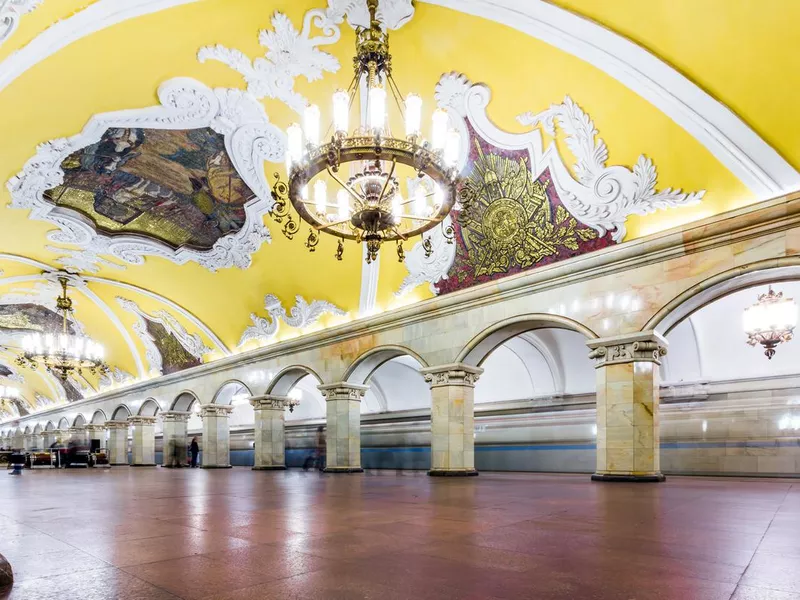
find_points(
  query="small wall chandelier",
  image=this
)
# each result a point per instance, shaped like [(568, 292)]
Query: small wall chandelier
[(770, 321), (369, 205), (62, 353)]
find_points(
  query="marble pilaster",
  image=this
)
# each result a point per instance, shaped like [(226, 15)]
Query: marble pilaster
[(452, 418), (117, 442), (143, 446), (627, 376), (343, 420), (174, 438), (270, 441), (216, 442), (96, 432)]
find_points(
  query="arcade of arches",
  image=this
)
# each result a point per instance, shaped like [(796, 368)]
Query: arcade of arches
[(572, 327)]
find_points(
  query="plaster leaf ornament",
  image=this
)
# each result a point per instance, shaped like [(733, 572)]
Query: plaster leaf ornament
[(10, 372), (429, 260), (114, 377), (186, 106), (43, 401), (10, 13), (191, 343), (610, 194), (302, 314)]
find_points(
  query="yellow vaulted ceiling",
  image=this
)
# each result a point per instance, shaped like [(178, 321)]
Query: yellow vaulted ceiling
[(744, 54)]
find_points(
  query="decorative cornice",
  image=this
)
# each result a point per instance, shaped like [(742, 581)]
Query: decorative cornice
[(643, 346), (250, 139), (174, 416), (215, 410), (457, 374), (342, 391), (117, 425)]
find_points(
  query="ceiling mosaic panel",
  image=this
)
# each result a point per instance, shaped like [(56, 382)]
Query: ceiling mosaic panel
[(178, 186), (20, 318)]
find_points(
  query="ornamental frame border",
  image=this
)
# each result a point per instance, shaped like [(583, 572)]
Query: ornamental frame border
[(185, 103)]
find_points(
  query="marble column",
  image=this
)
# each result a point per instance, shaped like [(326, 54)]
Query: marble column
[(117, 442), (143, 446), (28, 441), (174, 437), (343, 420), (78, 433), (96, 432), (627, 375), (452, 419), (18, 441), (48, 437), (216, 443), (270, 442)]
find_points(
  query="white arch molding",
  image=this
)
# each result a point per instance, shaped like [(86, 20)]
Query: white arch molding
[(709, 121)]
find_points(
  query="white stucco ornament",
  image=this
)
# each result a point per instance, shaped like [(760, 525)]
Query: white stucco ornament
[(10, 13), (302, 314), (596, 194)]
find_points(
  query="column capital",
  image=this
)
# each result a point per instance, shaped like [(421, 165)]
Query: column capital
[(342, 390), (269, 402), (452, 374), (117, 424), (77, 429), (95, 427), (216, 410), (174, 416), (642, 346), (141, 420)]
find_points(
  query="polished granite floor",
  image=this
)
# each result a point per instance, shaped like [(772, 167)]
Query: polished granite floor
[(238, 534)]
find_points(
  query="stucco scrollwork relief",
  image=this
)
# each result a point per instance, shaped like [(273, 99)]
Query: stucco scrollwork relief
[(114, 377), (302, 314), (192, 343), (596, 194), (250, 139), (11, 12)]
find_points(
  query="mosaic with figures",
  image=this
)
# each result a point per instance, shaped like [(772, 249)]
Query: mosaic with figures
[(174, 357), (179, 187), (515, 222)]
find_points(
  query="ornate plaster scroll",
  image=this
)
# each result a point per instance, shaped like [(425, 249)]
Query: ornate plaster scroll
[(11, 12), (250, 139), (115, 377), (302, 314), (597, 195), (291, 53), (192, 343)]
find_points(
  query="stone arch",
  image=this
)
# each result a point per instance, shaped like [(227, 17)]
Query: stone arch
[(79, 420), (370, 361), (63, 423), (184, 401), (37, 429), (773, 270), (27, 430), (49, 426), (226, 392), (121, 413), (149, 408), (482, 345), (99, 417), (284, 381)]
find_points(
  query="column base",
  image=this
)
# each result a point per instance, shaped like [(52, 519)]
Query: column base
[(119, 464), (216, 466), (453, 473), (343, 470), (147, 465), (270, 468), (655, 478), (174, 467)]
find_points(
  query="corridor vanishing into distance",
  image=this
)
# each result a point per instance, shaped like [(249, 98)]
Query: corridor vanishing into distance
[(153, 534)]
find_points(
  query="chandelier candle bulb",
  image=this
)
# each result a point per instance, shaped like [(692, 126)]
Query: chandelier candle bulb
[(343, 204), (419, 201), (294, 145), (397, 208), (413, 109), (311, 118), (320, 196), (439, 129), (377, 108), (438, 195), (341, 111), (451, 148)]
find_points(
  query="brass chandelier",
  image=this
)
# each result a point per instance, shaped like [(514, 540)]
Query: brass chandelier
[(62, 353), (370, 204), (770, 321)]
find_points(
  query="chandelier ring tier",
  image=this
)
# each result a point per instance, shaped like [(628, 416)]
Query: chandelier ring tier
[(62, 353), (370, 206)]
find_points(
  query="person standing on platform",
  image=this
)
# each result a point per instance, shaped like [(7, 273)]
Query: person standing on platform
[(194, 449)]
